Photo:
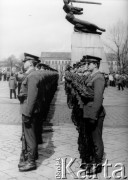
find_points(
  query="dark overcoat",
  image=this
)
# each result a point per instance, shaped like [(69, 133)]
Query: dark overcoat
[(94, 108), (31, 88)]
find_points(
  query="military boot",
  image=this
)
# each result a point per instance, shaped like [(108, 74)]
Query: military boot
[(96, 166), (94, 169), (21, 164), (86, 161), (23, 159), (28, 166)]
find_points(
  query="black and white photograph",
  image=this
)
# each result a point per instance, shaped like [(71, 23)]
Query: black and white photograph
[(63, 89)]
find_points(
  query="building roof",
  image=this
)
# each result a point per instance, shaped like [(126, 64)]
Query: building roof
[(56, 55)]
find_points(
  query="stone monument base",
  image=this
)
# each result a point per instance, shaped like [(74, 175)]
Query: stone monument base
[(88, 44)]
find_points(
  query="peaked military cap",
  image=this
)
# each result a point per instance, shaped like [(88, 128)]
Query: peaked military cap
[(83, 60), (68, 67), (43, 65), (79, 64), (74, 65), (89, 58), (29, 57)]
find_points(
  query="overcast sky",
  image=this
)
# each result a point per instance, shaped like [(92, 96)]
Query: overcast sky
[(35, 26)]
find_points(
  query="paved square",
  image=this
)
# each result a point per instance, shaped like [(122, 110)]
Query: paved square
[(60, 136)]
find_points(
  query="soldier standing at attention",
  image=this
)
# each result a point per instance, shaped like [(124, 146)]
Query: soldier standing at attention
[(30, 99), (94, 114)]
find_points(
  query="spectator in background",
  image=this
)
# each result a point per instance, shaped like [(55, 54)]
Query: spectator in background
[(0, 75), (116, 75), (117, 78), (8, 75), (114, 80), (4, 75), (20, 77), (106, 79), (111, 79), (120, 82), (124, 80), (12, 85)]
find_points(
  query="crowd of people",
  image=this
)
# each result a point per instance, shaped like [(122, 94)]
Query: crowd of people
[(116, 80), (4, 75), (112, 79), (14, 80)]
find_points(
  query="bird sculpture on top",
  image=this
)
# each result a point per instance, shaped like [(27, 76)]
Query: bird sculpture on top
[(80, 25)]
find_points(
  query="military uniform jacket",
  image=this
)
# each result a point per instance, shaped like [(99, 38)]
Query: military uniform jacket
[(94, 108), (31, 88)]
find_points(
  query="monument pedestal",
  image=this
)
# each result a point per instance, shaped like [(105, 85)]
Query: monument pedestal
[(88, 44)]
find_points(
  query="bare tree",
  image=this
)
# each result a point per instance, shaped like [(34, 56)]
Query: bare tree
[(118, 43), (13, 62), (10, 62), (124, 55)]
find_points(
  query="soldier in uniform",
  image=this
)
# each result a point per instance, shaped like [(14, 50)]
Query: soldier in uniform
[(93, 115), (30, 106), (86, 91)]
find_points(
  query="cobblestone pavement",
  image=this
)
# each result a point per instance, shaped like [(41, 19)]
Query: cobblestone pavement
[(60, 136)]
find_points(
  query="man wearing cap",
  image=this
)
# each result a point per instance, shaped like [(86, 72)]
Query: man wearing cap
[(94, 114), (30, 106)]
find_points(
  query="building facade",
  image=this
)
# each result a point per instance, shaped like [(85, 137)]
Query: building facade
[(56, 60), (112, 62), (59, 60)]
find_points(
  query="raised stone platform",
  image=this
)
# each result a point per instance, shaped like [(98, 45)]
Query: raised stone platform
[(88, 44)]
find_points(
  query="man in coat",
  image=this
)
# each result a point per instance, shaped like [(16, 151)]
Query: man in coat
[(94, 114), (12, 85), (30, 106), (20, 77)]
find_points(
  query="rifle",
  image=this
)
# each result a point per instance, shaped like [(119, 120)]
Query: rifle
[(87, 2)]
